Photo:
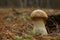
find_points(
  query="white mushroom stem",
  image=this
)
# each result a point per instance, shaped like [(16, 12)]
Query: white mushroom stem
[(39, 27)]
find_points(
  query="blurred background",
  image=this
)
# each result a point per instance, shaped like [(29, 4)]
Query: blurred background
[(30, 3)]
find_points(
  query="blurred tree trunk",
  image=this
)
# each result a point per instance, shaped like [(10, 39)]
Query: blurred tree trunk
[(43, 3), (14, 3), (17, 3), (57, 4), (2, 2), (37, 3), (48, 4), (21, 3), (30, 3), (7, 2), (25, 3)]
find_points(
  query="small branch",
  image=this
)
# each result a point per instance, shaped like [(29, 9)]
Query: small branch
[(11, 35)]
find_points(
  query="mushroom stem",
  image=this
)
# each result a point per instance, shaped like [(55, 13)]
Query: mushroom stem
[(39, 27)]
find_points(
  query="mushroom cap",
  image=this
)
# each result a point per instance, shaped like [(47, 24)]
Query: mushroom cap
[(37, 14)]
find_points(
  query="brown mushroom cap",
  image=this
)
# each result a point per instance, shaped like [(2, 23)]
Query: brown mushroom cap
[(37, 14)]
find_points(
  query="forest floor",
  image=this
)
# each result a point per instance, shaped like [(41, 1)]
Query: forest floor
[(17, 25)]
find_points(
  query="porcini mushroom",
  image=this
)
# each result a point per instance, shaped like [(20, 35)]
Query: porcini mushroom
[(39, 17)]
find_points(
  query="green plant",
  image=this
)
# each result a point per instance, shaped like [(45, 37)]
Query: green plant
[(18, 37), (26, 37)]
